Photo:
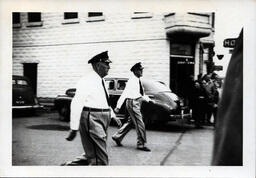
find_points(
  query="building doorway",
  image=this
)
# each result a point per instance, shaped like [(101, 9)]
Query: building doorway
[(30, 71), (181, 70)]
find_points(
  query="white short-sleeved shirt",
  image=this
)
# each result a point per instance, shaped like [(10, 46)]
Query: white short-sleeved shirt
[(89, 93), (132, 91)]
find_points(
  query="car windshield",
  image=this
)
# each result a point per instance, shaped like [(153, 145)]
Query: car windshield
[(121, 84), (155, 86)]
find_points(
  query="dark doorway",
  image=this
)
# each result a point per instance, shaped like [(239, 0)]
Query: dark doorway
[(30, 71), (180, 71)]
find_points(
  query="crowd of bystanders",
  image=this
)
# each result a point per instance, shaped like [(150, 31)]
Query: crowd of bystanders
[(204, 97)]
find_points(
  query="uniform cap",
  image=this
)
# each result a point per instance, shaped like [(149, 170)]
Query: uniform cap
[(101, 57), (136, 66)]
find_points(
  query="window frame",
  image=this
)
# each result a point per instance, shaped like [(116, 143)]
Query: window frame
[(36, 23), (71, 20), (118, 84), (141, 15), (95, 18), (108, 82)]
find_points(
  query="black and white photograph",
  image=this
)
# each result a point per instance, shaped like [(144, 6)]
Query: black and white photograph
[(142, 92)]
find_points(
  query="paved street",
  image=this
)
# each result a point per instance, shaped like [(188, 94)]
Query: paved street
[(40, 140)]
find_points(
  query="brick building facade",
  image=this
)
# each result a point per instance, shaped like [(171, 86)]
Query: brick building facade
[(52, 49)]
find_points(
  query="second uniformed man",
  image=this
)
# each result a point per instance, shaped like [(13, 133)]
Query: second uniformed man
[(134, 93)]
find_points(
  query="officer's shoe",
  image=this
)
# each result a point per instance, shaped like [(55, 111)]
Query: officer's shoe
[(118, 143), (77, 162), (143, 148)]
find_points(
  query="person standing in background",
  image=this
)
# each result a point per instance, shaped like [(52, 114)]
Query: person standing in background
[(209, 90), (197, 104)]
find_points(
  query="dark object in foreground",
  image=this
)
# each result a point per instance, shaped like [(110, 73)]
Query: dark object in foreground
[(228, 142)]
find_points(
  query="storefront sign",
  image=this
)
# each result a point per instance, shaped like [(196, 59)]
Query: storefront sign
[(229, 42), (217, 68)]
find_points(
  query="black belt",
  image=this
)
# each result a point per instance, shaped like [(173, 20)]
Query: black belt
[(95, 109)]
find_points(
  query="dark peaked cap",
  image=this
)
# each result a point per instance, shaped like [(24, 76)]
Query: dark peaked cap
[(101, 57), (137, 66)]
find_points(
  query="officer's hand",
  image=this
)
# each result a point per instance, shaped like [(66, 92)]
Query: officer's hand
[(72, 135), (116, 110), (118, 121)]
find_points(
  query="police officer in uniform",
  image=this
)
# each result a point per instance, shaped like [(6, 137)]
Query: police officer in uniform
[(134, 95), (91, 112)]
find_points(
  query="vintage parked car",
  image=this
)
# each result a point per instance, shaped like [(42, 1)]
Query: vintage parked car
[(23, 97), (168, 106)]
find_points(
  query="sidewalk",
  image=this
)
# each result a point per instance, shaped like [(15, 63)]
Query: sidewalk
[(193, 148)]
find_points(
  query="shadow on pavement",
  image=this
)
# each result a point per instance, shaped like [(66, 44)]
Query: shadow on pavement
[(170, 127), (49, 127), (18, 114)]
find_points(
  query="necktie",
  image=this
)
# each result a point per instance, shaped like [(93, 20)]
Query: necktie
[(141, 89), (106, 94)]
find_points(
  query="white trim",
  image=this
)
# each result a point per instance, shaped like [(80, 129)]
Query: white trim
[(64, 97), (27, 107), (34, 24), (95, 19), (142, 15), (181, 56), (24, 61), (70, 21)]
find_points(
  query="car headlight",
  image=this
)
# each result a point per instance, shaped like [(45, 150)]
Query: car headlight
[(181, 101)]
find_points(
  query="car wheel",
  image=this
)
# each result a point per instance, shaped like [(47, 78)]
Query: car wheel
[(64, 113)]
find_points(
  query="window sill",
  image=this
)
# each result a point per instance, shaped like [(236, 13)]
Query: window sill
[(96, 19), (142, 15), (70, 21), (34, 24)]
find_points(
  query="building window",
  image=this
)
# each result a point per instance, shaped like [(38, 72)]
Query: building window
[(142, 15), (70, 15), (16, 19), (70, 18), (34, 19), (181, 49), (95, 14), (95, 17)]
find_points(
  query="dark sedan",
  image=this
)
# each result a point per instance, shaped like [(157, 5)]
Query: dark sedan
[(167, 106), (23, 97)]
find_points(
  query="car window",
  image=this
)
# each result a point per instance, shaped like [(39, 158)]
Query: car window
[(155, 86), (110, 84), (13, 82), (121, 84), (22, 82)]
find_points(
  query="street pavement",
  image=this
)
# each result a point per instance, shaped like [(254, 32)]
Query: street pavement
[(40, 140)]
